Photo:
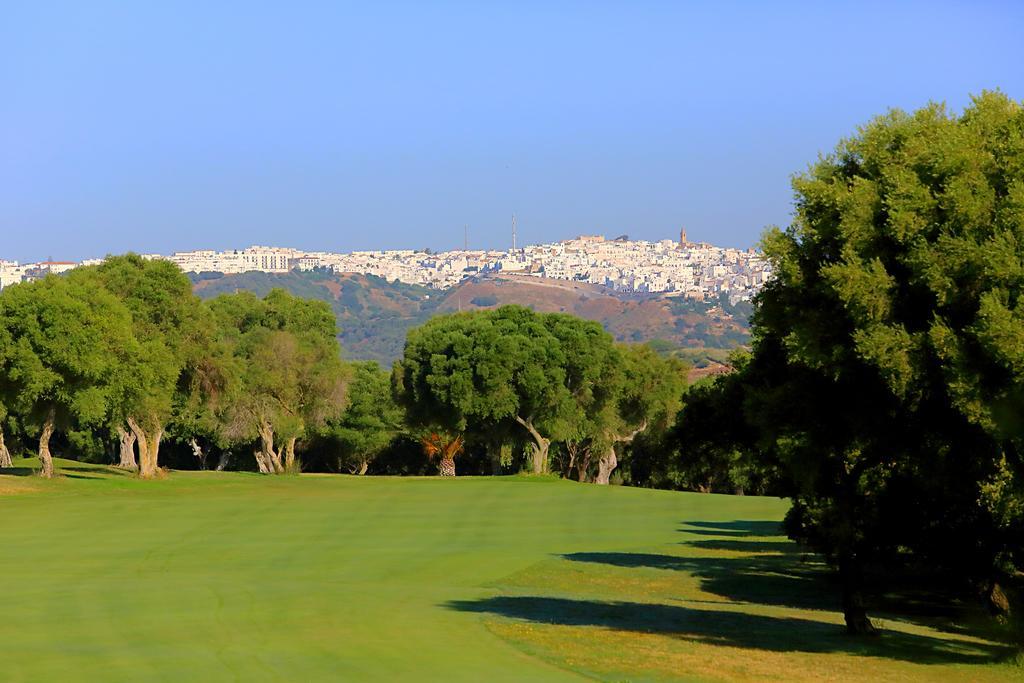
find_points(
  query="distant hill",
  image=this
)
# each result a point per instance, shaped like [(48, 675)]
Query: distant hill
[(374, 314)]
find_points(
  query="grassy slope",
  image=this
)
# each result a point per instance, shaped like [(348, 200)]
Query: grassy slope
[(210, 576)]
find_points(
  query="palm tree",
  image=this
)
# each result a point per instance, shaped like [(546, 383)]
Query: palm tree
[(437, 444)]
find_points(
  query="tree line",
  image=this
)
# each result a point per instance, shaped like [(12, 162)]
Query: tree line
[(116, 359), (125, 351)]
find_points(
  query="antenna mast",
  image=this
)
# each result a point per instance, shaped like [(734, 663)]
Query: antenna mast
[(513, 232)]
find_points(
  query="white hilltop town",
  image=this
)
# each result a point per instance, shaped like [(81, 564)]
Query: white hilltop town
[(698, 271)]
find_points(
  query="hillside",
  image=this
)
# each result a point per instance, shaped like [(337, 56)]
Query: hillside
[(374, 314)]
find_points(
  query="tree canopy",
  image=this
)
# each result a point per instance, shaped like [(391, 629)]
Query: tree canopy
[(888, 356), (286, 371), (533, 378), (370, 422), (63, 343)]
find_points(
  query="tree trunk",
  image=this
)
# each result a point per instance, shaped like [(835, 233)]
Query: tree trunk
[(45, 459), (363, 466), (447, 467), (290, 464), (996, 602), (263, 462), (149, 448), (854, 610), (608, 461), (539, 447), (583, 465), (223, 461), (570, 464), (605, 465), (5, 455), (126, 437), (270, 462), (197, 451)]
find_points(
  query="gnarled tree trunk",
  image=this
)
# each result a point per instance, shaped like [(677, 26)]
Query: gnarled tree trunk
[(45, 459), (263, 462), (363, 466), (5, 455), (268, 460), (608, 461), (539, 447), (854, 609), (149, 448), (605, 465), (126, 439)]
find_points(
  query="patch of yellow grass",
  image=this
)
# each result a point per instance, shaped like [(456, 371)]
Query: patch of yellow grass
[(627, 655), (790, 648), (14, 485)]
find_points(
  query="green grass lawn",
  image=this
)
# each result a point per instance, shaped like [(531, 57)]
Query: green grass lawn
[(207, 577)]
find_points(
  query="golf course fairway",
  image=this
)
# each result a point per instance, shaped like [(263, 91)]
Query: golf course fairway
[(208, 576)]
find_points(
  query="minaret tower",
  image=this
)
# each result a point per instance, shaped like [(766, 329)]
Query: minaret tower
[(513, 233), (682, 237)]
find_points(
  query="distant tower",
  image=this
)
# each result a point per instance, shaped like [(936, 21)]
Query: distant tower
[(465, 238), (513, 232), (682, 237)]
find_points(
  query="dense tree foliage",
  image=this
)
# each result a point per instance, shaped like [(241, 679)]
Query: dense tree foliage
[(286, 372), (717, 440), (64, 345), (481, 370), (169, 333), (888, 363), (641, 392), (511, 376), (370, 422)]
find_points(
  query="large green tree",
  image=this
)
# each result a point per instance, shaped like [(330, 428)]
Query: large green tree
[(371, 419), (646, 397), (889, 347), (167, 327), (478, 372), (66, 342), (719, 442), (286, 375)]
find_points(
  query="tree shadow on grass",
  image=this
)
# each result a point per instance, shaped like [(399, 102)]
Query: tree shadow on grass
[(765, 579), (784, 574), (737, 629), (86, 472), (736, 528), (73, 472), (733, 545), (19, 471), (912, 598)]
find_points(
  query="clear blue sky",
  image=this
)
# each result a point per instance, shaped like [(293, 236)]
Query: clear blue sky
[(124, 125)]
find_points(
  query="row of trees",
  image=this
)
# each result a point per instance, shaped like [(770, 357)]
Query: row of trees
[(126, 349), (885, 385), (511, 378), (124, 352)]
